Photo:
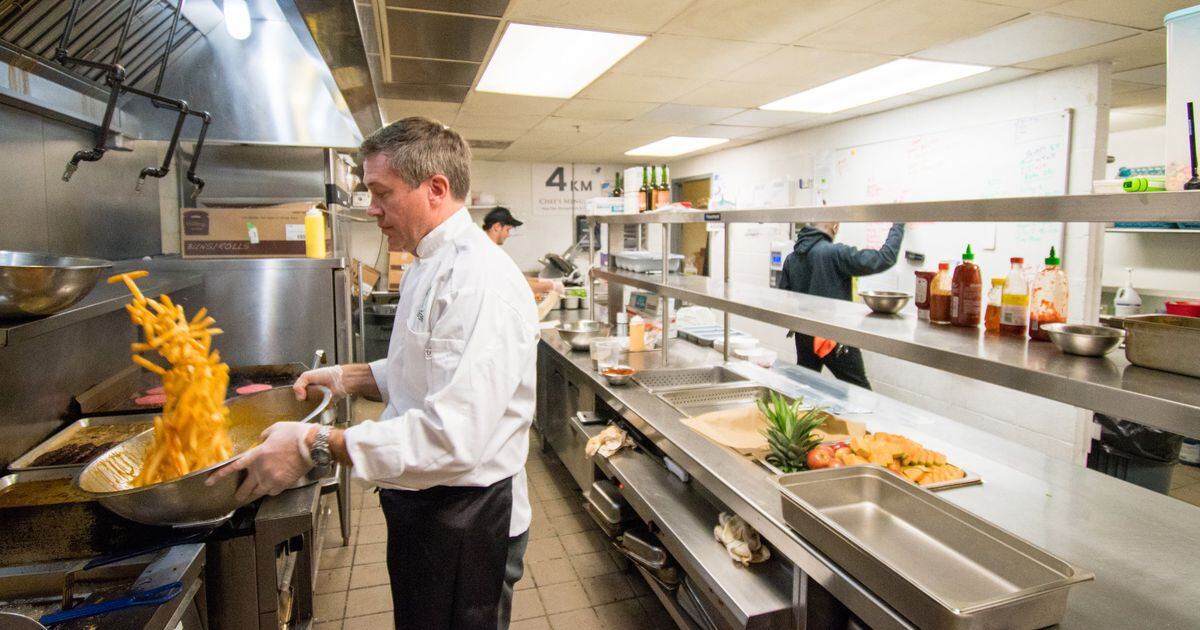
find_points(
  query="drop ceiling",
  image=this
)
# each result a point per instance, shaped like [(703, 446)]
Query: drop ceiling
[(708, 64)]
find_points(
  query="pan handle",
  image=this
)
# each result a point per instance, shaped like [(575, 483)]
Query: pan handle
[(150, 597)]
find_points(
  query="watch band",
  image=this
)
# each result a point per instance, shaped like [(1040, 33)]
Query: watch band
[(319, 452)]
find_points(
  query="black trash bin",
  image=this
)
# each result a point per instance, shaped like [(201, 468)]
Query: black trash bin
[(1135, 452)]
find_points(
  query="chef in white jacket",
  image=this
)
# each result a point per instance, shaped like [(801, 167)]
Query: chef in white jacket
[(449, 450)]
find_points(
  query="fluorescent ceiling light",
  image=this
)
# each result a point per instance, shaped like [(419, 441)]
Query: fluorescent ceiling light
[(675, 145), (554, 62), (891, 79), (237, 18)]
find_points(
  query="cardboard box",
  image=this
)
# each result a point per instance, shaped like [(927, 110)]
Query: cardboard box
[(260, 232), (370, 276), (397, 261)]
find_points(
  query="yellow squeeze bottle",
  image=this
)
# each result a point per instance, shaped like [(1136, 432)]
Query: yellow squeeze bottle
[(314, 233)]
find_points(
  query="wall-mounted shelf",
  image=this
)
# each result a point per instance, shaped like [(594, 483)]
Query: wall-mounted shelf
[(1109, 384), (1152, 231), (1165, 206)]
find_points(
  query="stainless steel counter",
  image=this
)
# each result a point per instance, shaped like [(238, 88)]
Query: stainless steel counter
[(1142, 546)]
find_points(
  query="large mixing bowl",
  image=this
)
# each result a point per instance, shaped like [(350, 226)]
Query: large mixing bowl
[(1084, 339), (35, 285), (885, 302), (187, 501), (580, 334)]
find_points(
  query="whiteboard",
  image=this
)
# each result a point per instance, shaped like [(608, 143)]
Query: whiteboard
[(1014, 158)]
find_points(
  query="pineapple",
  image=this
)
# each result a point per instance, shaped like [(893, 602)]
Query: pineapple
[(789, 434)]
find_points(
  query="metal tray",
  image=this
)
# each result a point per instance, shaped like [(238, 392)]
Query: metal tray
[(1164, 342), (662, 380), (935, 563), (77, 433), (699, 401), (969, 478), (707, 335)]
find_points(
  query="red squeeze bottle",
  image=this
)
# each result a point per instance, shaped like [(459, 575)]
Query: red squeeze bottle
[(966, 292)]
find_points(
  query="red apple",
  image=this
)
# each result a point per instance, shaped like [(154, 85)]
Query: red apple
[(819, 457), (836, 463)]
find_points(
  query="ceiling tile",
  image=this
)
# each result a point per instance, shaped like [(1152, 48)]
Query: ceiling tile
[(432, 71), (770, 21), (439, 36), (1121, 120), (722, 131), (624, 87), (765, 118), (1150, 75), (543, 140), (485, 154), (494, 8), (995, 76), (672, 112), (773, 132), (1025, 39), (901, 27), (802, 67), (689, 57), (620, 15), (574, 126), (1140, 98), (394, 109), (493, 104), (497, 121), (603, 110), (1126, 54), (1028, 4), (736, 94), (539, 154), (653, 129), (488, 133), (1145, 14)]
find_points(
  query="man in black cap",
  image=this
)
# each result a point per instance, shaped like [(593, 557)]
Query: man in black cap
[(498, 225)]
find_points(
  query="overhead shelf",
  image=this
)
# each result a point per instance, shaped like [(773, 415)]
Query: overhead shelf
[(1163, 206), (1108, 385)]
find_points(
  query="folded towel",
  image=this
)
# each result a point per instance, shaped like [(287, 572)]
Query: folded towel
[(610, 440), (740, 540)]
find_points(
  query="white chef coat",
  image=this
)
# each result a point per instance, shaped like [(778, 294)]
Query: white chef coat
[(459, 378)]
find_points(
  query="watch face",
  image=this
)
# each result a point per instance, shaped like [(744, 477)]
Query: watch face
[(321, 457)]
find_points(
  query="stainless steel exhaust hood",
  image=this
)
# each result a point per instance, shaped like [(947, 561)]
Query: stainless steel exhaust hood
[(273, 87)]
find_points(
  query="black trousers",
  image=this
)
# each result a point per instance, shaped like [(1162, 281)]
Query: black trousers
[(446, 553), (845, 362)]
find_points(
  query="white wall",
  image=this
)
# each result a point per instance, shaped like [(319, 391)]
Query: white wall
[(1053, 428), (1136, 147)]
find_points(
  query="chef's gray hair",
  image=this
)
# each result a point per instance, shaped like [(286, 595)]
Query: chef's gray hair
[(419, 148)]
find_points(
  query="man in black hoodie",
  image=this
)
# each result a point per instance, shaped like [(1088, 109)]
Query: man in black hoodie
[(818, 266)]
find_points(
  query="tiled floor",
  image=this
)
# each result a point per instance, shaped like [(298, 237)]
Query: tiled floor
[(1185, 483), (571, 582)]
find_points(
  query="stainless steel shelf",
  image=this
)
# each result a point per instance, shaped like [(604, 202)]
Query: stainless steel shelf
[(1152, 231), (1165, 206), (1109, 385)]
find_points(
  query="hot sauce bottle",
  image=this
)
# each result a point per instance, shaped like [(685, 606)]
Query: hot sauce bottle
[(1048, 304), (966, 292), (939, 295)]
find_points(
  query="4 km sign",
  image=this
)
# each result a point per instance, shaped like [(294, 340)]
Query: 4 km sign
[(557, 188)]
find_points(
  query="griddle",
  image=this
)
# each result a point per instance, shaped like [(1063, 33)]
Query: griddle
[(118, 394)]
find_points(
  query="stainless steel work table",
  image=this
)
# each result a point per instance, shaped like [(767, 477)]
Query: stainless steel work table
[(1143, 547)]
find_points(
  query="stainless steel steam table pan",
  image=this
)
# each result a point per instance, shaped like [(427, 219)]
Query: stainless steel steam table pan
[(935, 563)]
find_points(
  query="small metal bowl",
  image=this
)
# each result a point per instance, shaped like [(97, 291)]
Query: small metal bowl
[(618, 378), (1083, 339), (885, 302), (579, 334)]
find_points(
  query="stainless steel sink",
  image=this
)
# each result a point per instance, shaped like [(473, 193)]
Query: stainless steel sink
[(665, 380), (697, 401)]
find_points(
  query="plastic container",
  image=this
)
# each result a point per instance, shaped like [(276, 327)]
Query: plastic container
[(622, 325), (921, 294), (1014, 301), (314, 233), (966, 292), (1186, 308), (939, 295), (1183, 85), (642, 262), (637, 334), (1048, 301), (991, 318), (762, 357), (1127, 301)]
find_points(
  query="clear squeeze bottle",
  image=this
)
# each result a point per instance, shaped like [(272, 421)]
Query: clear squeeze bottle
[(1014, 301)]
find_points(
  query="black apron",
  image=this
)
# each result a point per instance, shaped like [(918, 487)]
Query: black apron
[(446, 553)]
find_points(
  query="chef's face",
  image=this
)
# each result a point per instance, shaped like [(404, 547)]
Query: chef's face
[(405, 214), (499, 233)]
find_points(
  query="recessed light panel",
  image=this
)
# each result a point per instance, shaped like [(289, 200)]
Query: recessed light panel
[(675, 145), (890, 79), (553, 62)]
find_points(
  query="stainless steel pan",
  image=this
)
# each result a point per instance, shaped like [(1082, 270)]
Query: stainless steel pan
[(35, 285), (187, 501)]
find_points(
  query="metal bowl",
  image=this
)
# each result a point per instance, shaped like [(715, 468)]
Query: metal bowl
[(36, 285), (569, 303), (618, 379), (187, 501), (579, 334), (886, 302), (1083, 339)]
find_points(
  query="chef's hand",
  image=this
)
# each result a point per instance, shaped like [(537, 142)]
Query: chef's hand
[(274, 465), (330, 377), (557, 287)]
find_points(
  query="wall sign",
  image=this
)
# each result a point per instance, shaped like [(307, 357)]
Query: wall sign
[(563, 188)]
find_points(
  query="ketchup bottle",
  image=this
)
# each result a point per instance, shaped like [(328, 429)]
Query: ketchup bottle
[(966, 292)]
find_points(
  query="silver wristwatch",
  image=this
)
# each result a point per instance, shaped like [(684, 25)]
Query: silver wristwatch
[(319, 451)]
